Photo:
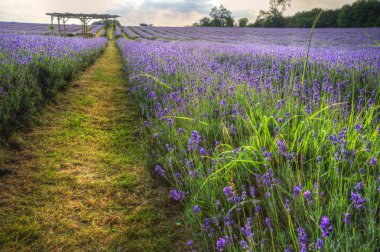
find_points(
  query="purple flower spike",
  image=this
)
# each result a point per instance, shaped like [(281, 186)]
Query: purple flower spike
[(373, 161), (282, 148), (297, 190), (158, 169), (325, 226), (244, 245), (359, 186), (220, 244), (358, 200), (319, 245), (177, 195), (197, 209), (307, 195), (302, 239), (268, 224), (347, 218)]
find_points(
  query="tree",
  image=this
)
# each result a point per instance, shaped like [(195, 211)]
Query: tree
[(205, 22), (277, 7), (243, 22), (273, 17), (221, 17)]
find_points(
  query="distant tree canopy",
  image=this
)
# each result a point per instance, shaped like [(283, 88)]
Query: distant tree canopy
[(362, 13), (243, 22), (218, 17), (107, 23)]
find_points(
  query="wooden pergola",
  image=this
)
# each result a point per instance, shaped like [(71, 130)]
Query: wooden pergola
[(84, 18)]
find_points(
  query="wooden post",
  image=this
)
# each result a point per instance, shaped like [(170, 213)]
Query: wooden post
[(59, 25), (64, 20), (52, 24), (83, 25)]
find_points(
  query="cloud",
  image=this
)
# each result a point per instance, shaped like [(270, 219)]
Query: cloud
[(162, 12), (202, 6)]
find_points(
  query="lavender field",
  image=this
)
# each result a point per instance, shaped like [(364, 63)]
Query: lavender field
[(351, 38), (264, 144), (35, 67), (264, 152)]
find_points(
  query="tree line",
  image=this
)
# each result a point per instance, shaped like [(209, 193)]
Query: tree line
[(362, 13)]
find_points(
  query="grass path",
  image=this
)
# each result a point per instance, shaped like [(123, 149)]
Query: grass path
[(77, 180)]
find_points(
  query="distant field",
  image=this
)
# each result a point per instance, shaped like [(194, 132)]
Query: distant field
[(348, 38), (32, 28)]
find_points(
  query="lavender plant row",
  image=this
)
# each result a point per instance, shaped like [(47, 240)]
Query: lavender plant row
[(353, 38), (35, 67), (260, 157)]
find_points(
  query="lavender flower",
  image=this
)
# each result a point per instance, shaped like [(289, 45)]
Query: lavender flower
[(359, 186), (307, 195), (233, 130), (257, 209), (302, 239), (202, 151), (282, 148), (358, 127), (325, 226), (246, 230), (287, 204), (252, 191), (227, 191), (308, 109), (368, 146), (158, 169), (180, 131), (297, 190), (244, 245), (358, 200), (177, 195), (194, 141), (190, 243), (347, 218), (268, 224), (319, 245), (373, 161), (197, 209), (319, 160), (221, 244)]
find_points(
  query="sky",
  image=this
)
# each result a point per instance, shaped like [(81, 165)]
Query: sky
[(156, 12)]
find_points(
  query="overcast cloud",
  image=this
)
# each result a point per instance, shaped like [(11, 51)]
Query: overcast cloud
[(157, 12)]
